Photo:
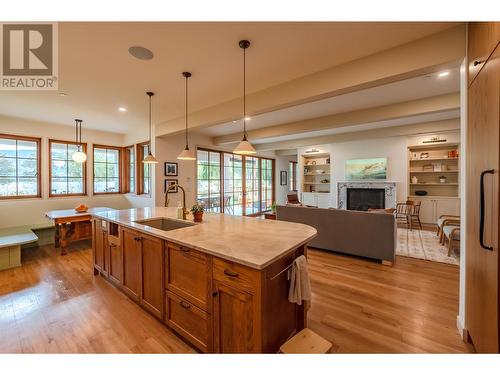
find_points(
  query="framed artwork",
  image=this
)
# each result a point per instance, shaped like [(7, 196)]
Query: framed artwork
[(283, 178), (169, 182), (171, 169), (366, 169)]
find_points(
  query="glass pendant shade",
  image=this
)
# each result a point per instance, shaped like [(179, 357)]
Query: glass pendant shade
[(150, 159), (187, 154), (244, 148), (79, 157)]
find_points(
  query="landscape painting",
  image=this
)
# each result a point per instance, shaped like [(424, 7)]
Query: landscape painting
[(366, 169)]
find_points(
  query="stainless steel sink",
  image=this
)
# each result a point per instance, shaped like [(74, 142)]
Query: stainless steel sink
[(165, 224)]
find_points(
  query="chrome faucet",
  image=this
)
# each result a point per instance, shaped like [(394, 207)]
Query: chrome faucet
[(173, 186)]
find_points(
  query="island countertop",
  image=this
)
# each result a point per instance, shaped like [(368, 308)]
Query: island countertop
[(250, 241)]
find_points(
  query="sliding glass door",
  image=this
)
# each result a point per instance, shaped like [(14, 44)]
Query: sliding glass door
[(234, 184)]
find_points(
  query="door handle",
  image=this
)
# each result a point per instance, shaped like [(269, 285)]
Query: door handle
[(481, 210)]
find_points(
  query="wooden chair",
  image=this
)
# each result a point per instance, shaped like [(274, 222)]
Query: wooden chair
[(448, 221), (415, 214), (293, 198), (306, 342), (452, 234), (402, 213), (441, 220)]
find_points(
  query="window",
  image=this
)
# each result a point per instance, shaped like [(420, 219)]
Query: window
[(292, 175), (130, 169), (209, 180), (234, 184), (106, 169), (67, 177), (143, 170), (19, 167)]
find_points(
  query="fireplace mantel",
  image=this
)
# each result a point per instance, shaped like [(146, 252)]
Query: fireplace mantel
[(389, 187)]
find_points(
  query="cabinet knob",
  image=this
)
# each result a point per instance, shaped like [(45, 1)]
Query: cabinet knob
[(184, 249), (477, 62), (137, 238), (215, 294), (185, 304)]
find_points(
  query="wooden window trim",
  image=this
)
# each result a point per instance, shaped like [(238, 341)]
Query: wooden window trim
[(139, 156), (84, 148), (120, 168), (294, 176), (222, 152), (126, 170), (39, 165)]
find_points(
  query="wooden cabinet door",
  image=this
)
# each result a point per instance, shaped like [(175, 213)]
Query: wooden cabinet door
[(323, 200), (427, 211), (233, 316), (131, 246), (483, 155), (115, 263), (98, 245), (152, 275), (308, 199), (447, 207), (483, 38)]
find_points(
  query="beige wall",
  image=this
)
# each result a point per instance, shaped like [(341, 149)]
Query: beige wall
[(31, 211)]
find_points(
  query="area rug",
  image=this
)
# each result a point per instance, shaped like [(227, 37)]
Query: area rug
[(424, 244)]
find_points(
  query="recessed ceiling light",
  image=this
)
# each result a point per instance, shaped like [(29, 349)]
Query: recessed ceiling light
[(122, 109), (443, 74), (141, 53), (234, 121), (248, 118)]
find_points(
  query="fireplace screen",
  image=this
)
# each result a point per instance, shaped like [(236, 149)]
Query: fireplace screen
[(363, 199)]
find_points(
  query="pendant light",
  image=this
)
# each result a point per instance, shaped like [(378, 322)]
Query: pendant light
[(150, 159), (244, 147), (186, 154), (78, 156)]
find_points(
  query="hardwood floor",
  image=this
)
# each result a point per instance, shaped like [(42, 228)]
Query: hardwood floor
[(54, 304)]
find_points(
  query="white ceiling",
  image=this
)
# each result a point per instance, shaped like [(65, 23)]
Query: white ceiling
[(99, 75), (401, 91)]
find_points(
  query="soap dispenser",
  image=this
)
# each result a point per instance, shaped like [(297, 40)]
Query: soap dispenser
[(180, 211)]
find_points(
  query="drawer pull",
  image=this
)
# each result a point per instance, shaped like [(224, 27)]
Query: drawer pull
[(184, 249), (137, 238), (477, 62), (185, 304), (230, 273)]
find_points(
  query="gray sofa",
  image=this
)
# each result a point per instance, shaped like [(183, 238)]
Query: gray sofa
[(368, 234)]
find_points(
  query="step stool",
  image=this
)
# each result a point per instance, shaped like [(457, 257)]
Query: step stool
[(306, 342)]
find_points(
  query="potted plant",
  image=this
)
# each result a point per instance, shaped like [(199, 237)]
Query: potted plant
[(197, 210), (273, 207)]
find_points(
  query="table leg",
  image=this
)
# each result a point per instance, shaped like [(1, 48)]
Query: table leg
[(57, 236), (63, 238)]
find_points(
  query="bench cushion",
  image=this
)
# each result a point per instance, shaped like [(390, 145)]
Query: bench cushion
[(448, 229), (16, 236)]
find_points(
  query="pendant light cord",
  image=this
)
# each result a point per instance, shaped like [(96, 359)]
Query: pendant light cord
[(150, 127), (187, 112), (244, 96)]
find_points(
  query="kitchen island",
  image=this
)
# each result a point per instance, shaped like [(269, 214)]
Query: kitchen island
[(221, 284)]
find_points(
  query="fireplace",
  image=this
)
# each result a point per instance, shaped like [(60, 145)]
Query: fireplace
[(361, 199)]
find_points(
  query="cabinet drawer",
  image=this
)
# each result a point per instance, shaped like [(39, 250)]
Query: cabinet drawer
[(188, 320), (188, 273), (235, 275)]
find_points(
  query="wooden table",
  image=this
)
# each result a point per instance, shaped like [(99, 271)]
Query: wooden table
[(72, 225)]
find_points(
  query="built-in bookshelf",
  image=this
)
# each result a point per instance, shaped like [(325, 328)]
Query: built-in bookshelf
[(316, 177), (434, 169)]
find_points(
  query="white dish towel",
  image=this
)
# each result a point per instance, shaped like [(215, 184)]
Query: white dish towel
[(300, 286)]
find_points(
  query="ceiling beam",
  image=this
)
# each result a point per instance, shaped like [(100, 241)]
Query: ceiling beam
[(436, 104), (423, 56), (394, 131)]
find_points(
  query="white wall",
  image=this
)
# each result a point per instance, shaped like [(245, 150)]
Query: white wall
[(392, 148), (31, 211), (282, 165)]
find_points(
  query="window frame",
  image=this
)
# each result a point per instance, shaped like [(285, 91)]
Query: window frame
[(244, 171), (84, 171), (120, 169), (126, 186), (293, 177), (39, 165), (139, 171)]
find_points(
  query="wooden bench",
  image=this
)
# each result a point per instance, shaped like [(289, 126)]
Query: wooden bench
[(306, 342), (11, 240)]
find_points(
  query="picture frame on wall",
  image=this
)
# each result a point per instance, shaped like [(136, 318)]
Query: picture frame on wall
[(283, 178), (168, 182), (171, 169)]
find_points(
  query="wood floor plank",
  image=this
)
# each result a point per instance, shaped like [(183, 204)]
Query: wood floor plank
[(54, 304)]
